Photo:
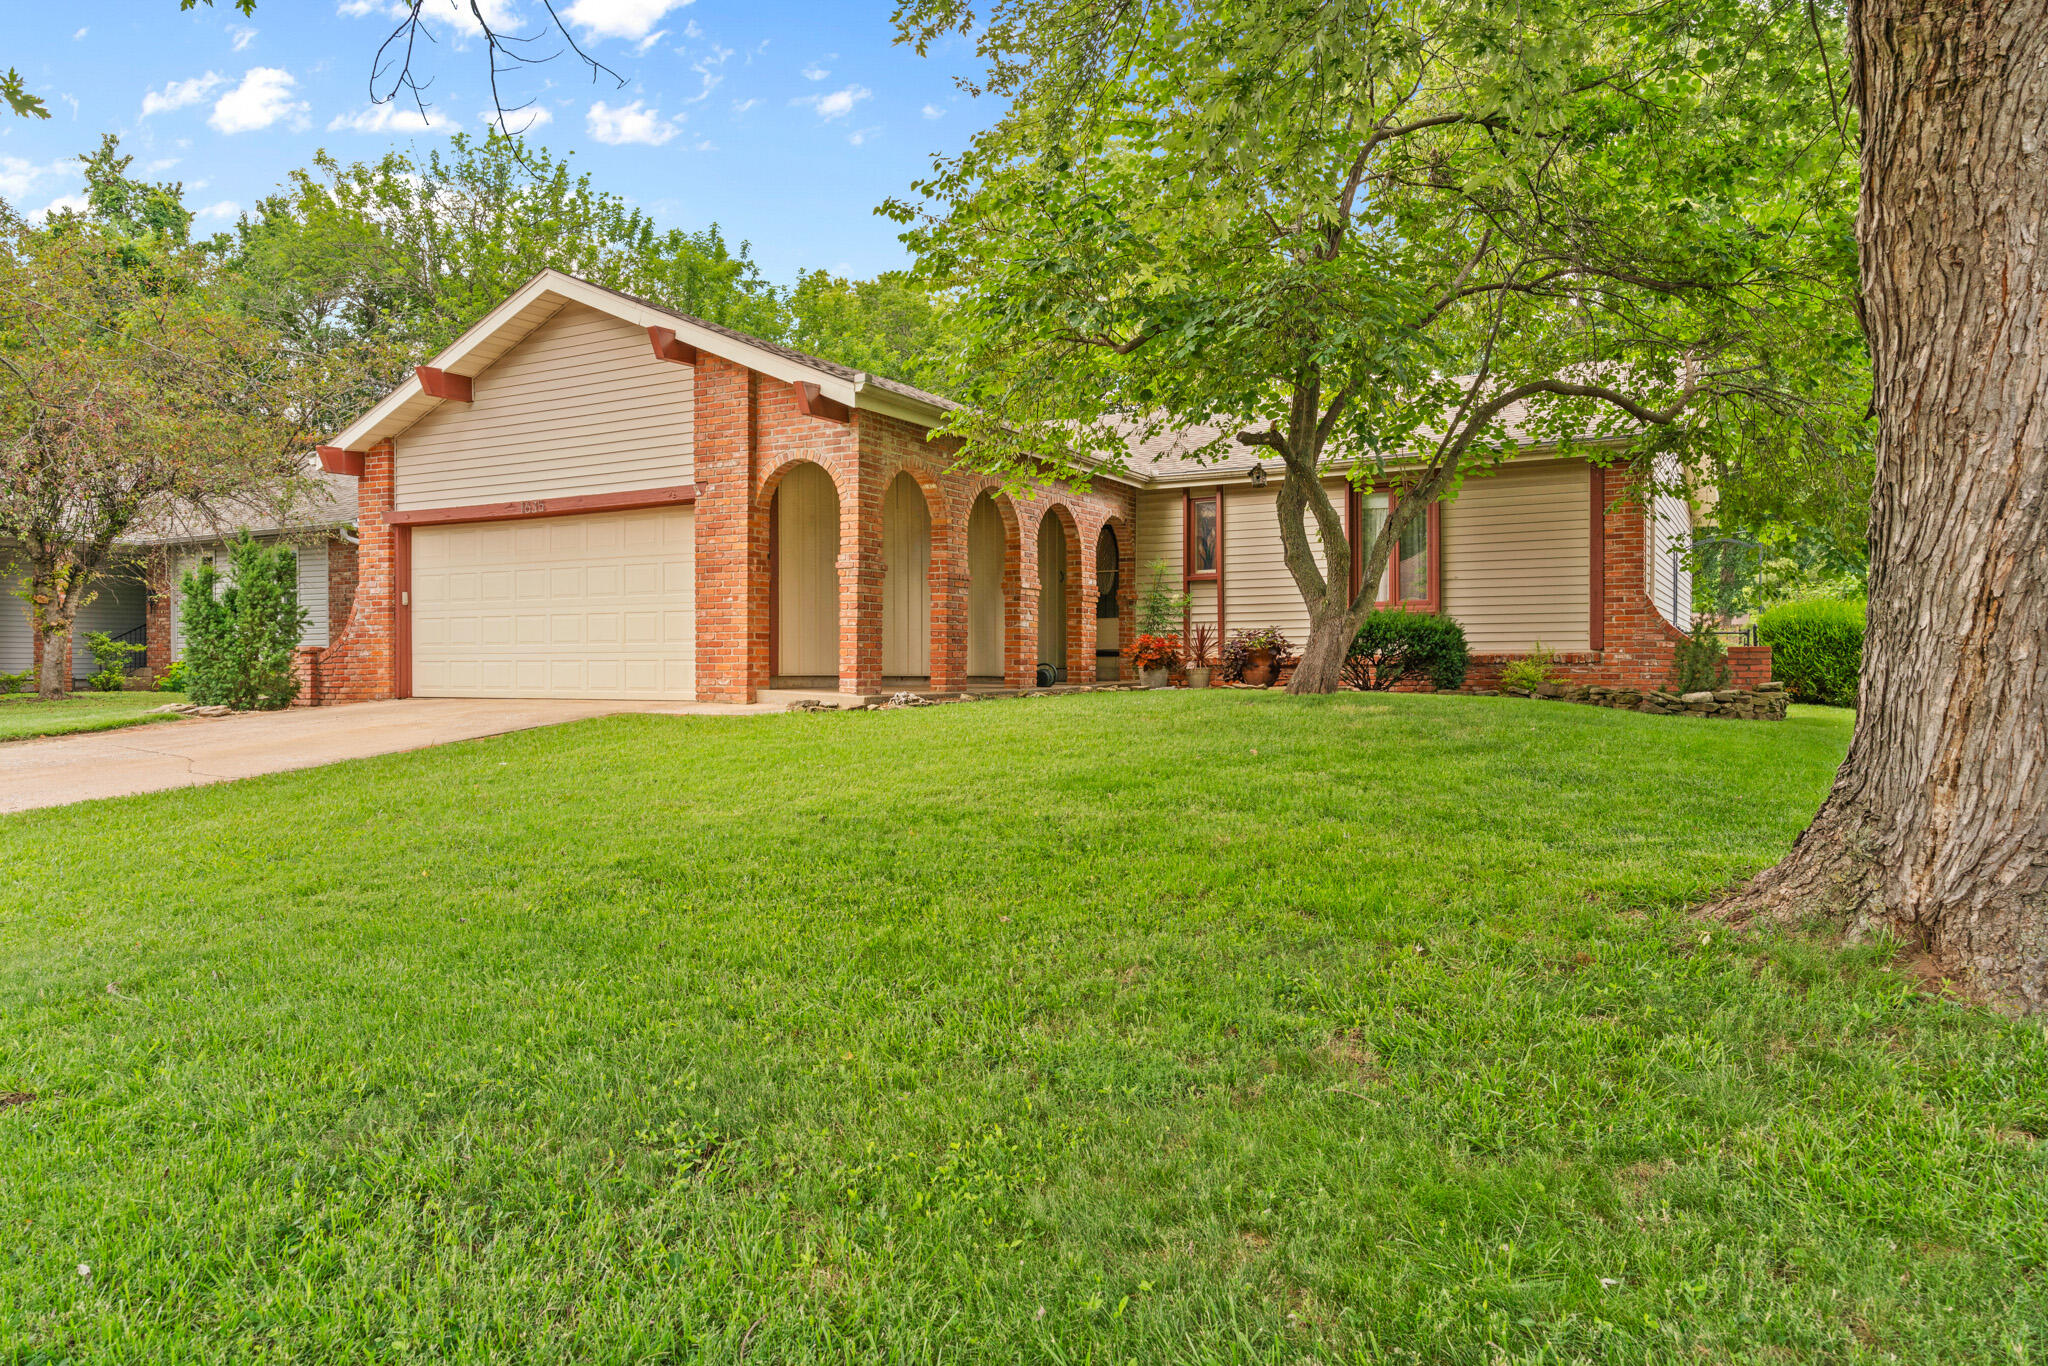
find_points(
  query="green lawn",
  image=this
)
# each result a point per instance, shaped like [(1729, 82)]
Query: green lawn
[(1152, 1027), (24, 714)]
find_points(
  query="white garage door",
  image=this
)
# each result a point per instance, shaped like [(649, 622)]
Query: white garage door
[(594, 606)]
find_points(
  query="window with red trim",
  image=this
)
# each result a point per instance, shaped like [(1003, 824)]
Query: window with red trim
[(1202, 538), (1410, 579)]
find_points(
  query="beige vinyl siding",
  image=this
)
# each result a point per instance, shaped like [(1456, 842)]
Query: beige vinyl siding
[(1670, 584), (1258, 589), (1159, 530), (987, 544), (807, 575), (598, 606), (581, 406), (906, 581), (313, 593), (1515, 562), (17, 636)]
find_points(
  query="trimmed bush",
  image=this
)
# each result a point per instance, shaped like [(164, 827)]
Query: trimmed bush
[(1816, 648), (1394, 643), (240, 631), (1700, 663)]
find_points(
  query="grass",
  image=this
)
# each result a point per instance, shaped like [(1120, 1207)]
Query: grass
[(1109, 1028), (26, 715)]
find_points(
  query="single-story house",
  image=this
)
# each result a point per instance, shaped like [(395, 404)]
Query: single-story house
[(591, 495), (135, 600)]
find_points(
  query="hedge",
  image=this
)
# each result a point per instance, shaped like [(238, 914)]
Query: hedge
[(1816, 648), (1393, 643)]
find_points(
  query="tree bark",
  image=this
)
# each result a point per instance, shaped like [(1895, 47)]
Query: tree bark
[(1937, 826)]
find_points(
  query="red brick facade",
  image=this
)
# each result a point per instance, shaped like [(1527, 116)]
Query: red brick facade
[(750, 434), (360, 663)]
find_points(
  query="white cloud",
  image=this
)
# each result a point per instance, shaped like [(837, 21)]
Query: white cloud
[(742, 106), (836, 105), (861, 135), (226, 209), (630, 123), (932, 111), (630, 19), (80, 34), (814, 72), (650, 40), (19, 176), (501, 15), (57, 205), (518, 120), (178, 94), (264, 97), (242, 35), (160, 164), (392, 117)]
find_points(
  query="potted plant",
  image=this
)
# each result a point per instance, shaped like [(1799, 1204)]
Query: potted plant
[(1253, 657), (1155, 657), (1201, 656)]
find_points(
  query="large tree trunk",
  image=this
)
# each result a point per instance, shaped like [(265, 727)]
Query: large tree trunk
[(1937, 826)]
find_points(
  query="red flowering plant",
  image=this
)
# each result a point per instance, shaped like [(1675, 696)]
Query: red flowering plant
[(1155, 652)]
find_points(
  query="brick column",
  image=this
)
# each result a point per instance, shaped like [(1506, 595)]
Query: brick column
[(1081, 610), (860, 576), (731, 538), (157, 590), (950, 583), (360, 664), (1637, 643)]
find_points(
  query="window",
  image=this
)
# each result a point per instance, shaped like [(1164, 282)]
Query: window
[(1201, 538), (1410, 577)]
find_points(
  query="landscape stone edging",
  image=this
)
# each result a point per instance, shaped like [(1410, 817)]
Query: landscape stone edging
[(1765, 703)]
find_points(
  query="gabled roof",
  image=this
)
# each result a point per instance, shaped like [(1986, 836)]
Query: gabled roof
[(540, 298)]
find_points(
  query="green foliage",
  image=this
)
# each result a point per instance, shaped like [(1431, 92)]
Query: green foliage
[(1160, 609), (413, 249), (114, 658), (1816, 648), (1700, 663), (239, 638), (1532, 670), (14, 90), (1348, 992), (1237, 651), (14, 683), (891, 325), (177, 678), (1394, 643)]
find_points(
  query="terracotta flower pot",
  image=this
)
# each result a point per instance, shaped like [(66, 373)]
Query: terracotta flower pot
[(1258, 668)]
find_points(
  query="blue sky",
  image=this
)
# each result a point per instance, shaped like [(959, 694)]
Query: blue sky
[(784, 121)]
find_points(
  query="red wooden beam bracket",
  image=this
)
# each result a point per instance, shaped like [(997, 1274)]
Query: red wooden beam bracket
[(811, 402), (440, 384), (336, 460), (668, 346)]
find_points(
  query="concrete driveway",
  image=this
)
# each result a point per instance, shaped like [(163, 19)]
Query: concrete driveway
[(166, 754)]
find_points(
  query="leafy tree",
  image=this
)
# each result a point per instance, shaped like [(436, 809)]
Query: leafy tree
[(413, 250), (890, 325), (1934, 829), (128, 387), (1390, 241), (240, 631)]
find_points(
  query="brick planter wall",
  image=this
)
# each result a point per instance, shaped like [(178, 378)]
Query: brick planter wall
[(360, 662)]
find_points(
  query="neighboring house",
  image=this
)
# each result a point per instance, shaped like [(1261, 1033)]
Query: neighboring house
[(317, 526), (118, 607), (136, 600), (590, 495)]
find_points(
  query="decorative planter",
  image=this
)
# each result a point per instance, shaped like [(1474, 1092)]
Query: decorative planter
[(1153, 678), (1258, 669), (1198, 678)]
